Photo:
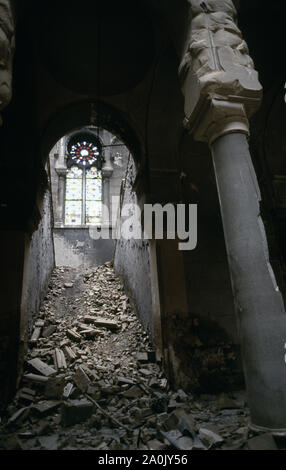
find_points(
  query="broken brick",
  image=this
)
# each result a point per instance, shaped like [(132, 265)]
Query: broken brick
[(75, 411), (81, 379), (45, 408), (41, 367)]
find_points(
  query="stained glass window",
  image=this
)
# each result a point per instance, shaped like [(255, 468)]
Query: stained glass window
[(73, 206), (83, 196), (84, 153), (93, 196)]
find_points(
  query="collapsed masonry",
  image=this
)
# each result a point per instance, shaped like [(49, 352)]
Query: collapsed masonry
[(91, 381)]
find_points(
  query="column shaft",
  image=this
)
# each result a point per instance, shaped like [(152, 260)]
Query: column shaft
[(106, 201), (61, 200), (259, 304)]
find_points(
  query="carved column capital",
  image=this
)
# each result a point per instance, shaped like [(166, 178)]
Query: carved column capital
[(61, 171), (217, 118), (216, 69), (107, 172)]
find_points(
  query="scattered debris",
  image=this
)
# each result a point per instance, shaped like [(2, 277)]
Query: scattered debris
[(92, 381)]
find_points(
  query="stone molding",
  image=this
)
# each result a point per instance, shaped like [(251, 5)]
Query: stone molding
[(217, 74)]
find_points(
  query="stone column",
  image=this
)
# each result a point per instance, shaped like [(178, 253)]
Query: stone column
[(60, 214), (222, 91), (107, 171), (61, 170)]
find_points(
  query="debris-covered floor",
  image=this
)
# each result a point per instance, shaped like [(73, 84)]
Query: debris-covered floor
[(91, 381)]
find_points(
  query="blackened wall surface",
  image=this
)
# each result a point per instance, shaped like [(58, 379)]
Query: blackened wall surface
[(131, 260), (40, 262)]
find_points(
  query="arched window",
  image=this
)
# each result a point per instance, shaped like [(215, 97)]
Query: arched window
[(83, 196)]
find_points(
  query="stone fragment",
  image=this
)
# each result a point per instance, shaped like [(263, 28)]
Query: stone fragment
[(91, 333), (54, 387), (142, 357), (155, 444), (154, 383), (125, 380), (25, 398), (181, 420), (75, 411), (186, 421), (60, 359), (73, 335), (262, 442), (48, 331), (29, 391), (67, 390), (70, 353), (35, 336), (45, 408), (91, 373), (97, 321), (185, 443), (39, 323), (163, 383), (49, 442), (133, 392), (81, 379), (145, 372), (26, 435), (143, 413), (68, 285), (19, 416), (41, 367), (209, 438), (35, 378)]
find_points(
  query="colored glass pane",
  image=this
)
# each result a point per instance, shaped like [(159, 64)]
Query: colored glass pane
[(77, 181), (84, 153), (73, 213), (74, 188), (93, 173), (93, 212), (74, 172), (93, 189)]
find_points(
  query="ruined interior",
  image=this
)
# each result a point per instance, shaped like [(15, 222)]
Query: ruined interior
[(193, 93)]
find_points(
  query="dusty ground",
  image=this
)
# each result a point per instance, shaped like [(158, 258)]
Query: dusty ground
[(100, 386)]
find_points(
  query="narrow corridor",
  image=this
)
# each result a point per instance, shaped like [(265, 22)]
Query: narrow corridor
[(91, 381)]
